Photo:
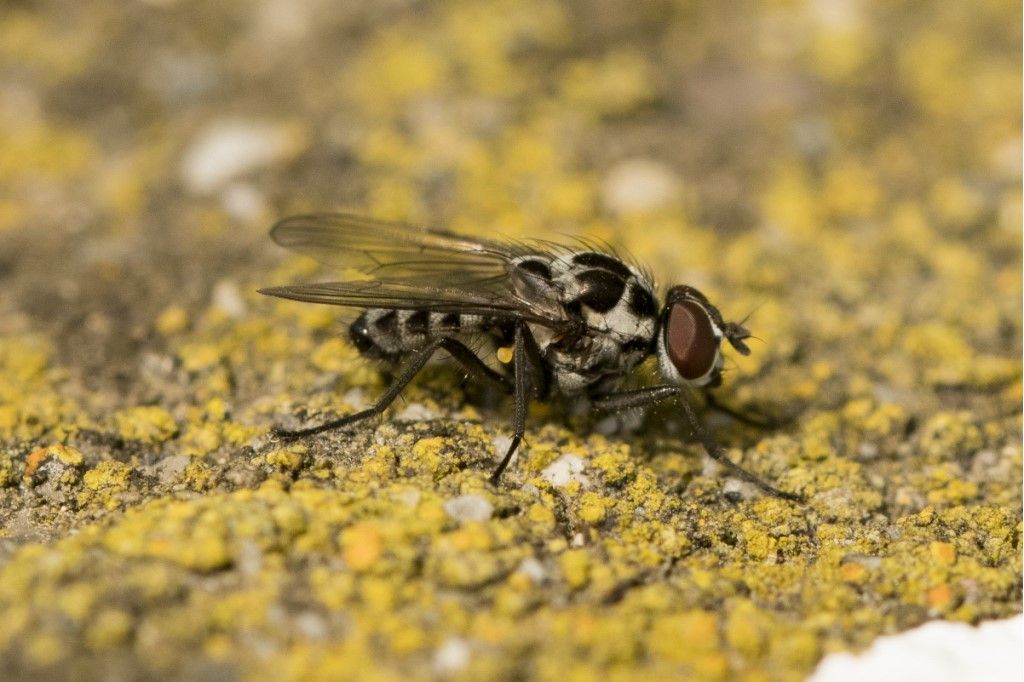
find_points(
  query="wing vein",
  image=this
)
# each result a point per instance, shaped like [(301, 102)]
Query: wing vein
[(415, 268)]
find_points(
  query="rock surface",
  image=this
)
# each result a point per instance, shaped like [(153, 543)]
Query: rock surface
[(846, 176)]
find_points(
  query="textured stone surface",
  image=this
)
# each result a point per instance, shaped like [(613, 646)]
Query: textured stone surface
[(846, 173)]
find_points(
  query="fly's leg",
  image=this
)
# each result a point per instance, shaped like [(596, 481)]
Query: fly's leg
[(716, 453), (654, 394), (640, 397), (758, 421), (454, 347), (521, 396), (540, 373), (472, 363)]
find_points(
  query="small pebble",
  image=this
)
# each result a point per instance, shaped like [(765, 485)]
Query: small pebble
[(230, 148), (533, 569), (452, 656), (415, 412), (244, 202), (228, 298), (639, 185), (565, 469), (467, 508)]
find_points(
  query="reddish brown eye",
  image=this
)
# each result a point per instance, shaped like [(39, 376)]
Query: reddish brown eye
[(690, 340)]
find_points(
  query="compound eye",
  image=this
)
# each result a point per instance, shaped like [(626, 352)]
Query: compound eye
[(690, 340)]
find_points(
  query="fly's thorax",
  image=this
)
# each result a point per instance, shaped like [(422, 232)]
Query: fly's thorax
[(606, 294), (616, 309)]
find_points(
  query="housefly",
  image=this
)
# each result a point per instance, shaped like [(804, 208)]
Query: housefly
[(560, 321)]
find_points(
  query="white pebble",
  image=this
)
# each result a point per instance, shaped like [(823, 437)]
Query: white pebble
[(410, 497), (452, 656), (415, 412), (566, 468), (311, 625), (226, 296), (732, 485), (467, 508), (533, 569), (639, 185), (835, 14), (230, 148), (501, 444), (934, 652), (355, 398), (170, 468), (283, 22), (243, 202)]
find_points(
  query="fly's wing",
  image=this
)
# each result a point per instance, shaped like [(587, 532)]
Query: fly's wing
[(415, 268), (390, 249), (411, 295)]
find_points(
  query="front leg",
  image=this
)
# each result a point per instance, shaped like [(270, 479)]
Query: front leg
[(655, 394), (759, 421), (640, 397)]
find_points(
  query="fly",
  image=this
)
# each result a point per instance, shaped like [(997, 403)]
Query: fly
[(562, 322)]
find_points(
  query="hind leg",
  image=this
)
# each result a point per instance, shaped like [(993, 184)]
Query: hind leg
[(455, 348)]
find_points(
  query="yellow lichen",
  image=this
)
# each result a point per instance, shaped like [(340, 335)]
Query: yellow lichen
[(287, 459), (172, 320), (140, 373), (149, 424), (111, 628), (575, 568), (592, 508), (103, 483)]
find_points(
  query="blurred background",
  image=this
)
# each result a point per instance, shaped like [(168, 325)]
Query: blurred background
[(848, 170), (145, 146)]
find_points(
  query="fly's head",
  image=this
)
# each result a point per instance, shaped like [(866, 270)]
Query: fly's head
[(690, 338)]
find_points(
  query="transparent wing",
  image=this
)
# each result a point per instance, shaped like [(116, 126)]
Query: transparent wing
[(392, 250), (415, 268), (406, 295)]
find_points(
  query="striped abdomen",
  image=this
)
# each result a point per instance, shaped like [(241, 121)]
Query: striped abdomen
[(388, 334)]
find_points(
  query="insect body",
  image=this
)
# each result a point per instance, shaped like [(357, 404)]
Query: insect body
[(563, 322), (606, 307)]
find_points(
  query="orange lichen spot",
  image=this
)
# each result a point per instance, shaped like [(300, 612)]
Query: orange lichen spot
[(939, 596), (677, 637), (109, 629), (853, 573), (34, 459), (943, 552), (539, 515), (361, 546)]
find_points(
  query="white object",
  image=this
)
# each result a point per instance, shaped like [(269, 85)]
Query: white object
[(228, 149), (564, 469), (452, 656), (467, 508), (935, 652), (227, 297), (533, 569), (640, 185)]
